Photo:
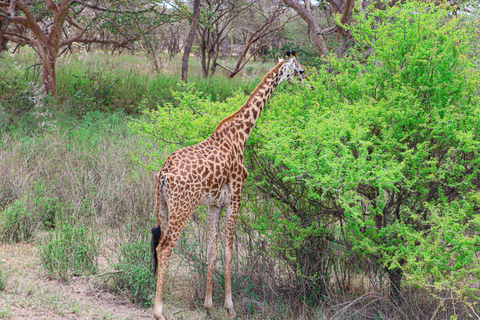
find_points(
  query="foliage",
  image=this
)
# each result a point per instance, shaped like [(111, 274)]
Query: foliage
[(99, 83), (136, 277), (164, 129), (22, 103), (70, 251), (15, 224), (23, 217), (387, 149)]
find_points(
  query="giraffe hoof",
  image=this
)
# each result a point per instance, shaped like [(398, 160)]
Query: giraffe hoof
[(160, 317), (208, 312), (231, 313)]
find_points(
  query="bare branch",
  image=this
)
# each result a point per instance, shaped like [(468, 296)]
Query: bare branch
[(4, 17), (313, 24), (96, 7), (329, 30), (30, 22), (18, 35), (346, 11), (218, 64), (11, 9)]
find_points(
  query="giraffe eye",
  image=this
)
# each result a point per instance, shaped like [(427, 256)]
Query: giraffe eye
[(301, 71)]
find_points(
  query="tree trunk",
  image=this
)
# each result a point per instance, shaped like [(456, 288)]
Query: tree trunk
[(395, 276), (312, 23), (3, 41), (191, 36), (203, 60), (49, 77)]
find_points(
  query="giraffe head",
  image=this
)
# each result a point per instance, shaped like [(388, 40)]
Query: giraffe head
[(293, 69)]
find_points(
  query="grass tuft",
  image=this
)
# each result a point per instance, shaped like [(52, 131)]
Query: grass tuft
[(136, 278), (70, 251)]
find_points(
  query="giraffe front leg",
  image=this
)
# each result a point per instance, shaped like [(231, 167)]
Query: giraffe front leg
[(232, 210), (214, 218)]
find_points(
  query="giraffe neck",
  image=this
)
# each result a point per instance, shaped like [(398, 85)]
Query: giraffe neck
[(238, 126)]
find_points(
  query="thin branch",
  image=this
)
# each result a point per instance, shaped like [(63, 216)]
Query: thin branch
[(18, 35), (6, 17), (329, 30), (11, 9), (34, 65), (96, 7), (218, 64)]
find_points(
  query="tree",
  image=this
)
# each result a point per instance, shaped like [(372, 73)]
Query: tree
[(190, 38), (216, 22), (49, 27), (268, 24), (312, 23), (387, 150)]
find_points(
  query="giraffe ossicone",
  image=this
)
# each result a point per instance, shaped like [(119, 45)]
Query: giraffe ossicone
[(211, 173)]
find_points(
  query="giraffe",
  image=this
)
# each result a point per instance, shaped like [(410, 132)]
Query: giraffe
[(211, 173)]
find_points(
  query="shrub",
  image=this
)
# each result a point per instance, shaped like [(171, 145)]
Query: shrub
[(69, 251), (23, 217), (136, 278), (383, 156), (16, 223)]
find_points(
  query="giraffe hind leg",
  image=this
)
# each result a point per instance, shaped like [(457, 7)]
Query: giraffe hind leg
[(232, 211), (180, 213), (162, 217), (214, 213)]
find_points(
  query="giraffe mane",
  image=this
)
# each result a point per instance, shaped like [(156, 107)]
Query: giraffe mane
[(227, 119)]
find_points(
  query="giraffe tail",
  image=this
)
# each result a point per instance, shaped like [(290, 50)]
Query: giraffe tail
[(156, 233)]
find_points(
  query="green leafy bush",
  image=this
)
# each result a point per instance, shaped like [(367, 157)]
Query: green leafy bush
[(69, 250), (386, 150), (136, 277), (16, 223), (169, 127), (23, 217)]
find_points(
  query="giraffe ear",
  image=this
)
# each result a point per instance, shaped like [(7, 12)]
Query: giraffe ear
[(280, 60)]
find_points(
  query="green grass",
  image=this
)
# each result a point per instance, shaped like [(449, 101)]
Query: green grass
[(136, 277), (70, 250)]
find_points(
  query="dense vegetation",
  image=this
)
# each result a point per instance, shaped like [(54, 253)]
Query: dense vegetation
[(362, 200)]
